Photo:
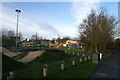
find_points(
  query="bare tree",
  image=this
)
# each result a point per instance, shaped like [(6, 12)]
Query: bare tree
[(97, 30)]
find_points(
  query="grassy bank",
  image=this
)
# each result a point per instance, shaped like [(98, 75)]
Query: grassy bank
[(80, 70), (52, 57), (10, 64)]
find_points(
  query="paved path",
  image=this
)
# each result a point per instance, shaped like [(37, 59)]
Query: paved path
[(108, 68)]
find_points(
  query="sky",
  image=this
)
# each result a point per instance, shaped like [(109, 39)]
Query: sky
[(50, 19)]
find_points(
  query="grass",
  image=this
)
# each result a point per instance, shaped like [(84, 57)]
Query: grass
[(81, 70), (106, 54), (76, 50), (10, 64), (50, 57)]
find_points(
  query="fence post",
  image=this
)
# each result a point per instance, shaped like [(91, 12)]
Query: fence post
[(80, 59), (11, 75), (65, 51), (45, 70), (73, 53), (83, 55), (85, 58), (7, 78), (62, 65), (73, 62), (69, 52), (89, 57)]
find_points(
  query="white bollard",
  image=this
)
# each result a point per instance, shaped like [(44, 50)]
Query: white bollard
[(100, 55)]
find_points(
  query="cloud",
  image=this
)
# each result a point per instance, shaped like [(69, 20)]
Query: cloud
[(27, 25), (80, 10)]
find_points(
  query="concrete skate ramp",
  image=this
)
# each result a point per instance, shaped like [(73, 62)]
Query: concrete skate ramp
[(31, 56), (7, 52)]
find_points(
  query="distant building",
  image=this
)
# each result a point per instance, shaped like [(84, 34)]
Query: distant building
[(26, 42), (45, 42)]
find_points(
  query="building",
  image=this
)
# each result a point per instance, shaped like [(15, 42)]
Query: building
[(27, 42)]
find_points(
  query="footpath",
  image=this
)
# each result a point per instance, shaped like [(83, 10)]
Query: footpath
[(108, 68)]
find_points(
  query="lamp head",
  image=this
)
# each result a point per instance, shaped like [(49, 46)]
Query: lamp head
[(17, 10)]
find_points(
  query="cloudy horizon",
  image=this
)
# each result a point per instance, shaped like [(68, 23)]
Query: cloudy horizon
[(50, 19)]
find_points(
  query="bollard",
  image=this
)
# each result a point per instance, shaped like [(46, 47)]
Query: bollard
[(69, 52), (7, 78), (85, 59), (100, 56), (78, 54), (80, 59), (11, 76), (62, 65), (65, 51), (73, 62), (38, 48), (83, 55), (89, 57), (45, 70), (73, 53)]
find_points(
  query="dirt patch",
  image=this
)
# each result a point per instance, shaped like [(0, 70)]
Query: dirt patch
[(31, 56), (7, 52)]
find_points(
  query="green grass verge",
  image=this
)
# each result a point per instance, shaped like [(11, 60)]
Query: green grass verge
[(80, 70), (8, 64), (106, 54), (50, 57)]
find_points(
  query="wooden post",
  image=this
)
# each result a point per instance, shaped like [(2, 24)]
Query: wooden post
[(73, 53), (69, 52), (62, 65), (83, 55), (11, 75), (73, 62), (89, 57), (7, 78), (65, 51), (45, 70), (80, 59), (85, 58)]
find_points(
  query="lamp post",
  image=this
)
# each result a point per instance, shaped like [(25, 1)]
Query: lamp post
[(18, 11)]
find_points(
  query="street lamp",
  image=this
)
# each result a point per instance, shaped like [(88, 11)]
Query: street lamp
[(18, 11)]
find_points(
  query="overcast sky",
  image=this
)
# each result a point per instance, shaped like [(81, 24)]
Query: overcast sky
[(50, 19)]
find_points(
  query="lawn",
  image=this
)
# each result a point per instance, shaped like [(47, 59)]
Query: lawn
[(53, 58), (10, 64), (80, 70)]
